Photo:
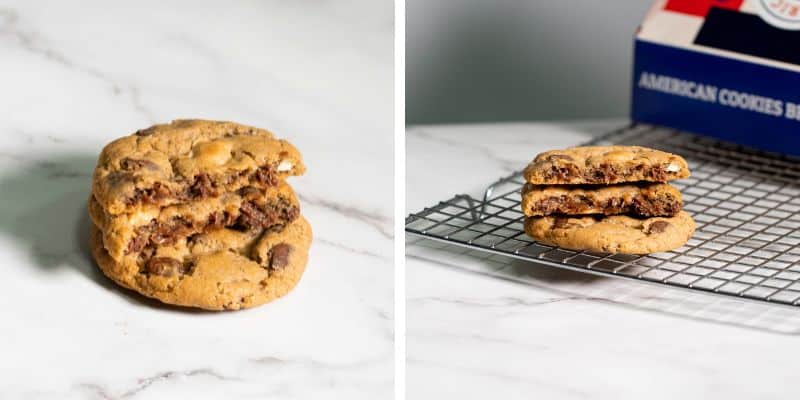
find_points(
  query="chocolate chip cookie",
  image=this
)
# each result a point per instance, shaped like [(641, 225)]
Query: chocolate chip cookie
[(605, 165), (645, 199), (189, 160), (198, 213), (612, 234), (221, 269)]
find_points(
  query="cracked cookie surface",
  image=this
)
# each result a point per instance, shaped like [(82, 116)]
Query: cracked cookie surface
[(605, 165), (245, 209), (612, 234), (222, 269), (188, 160), (648, 199)]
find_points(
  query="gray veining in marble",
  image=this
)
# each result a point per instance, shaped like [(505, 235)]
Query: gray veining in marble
[(77, 76)]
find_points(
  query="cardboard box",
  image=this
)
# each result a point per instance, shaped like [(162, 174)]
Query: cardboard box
[(728, 69)]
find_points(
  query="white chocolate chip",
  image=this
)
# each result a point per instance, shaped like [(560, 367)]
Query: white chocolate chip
[(285, 166), (142, 217), (673, 168)]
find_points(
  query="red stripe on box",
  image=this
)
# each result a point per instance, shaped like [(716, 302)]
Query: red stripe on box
[(700, 7)]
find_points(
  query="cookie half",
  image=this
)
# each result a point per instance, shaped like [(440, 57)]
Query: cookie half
[(245, 209), (189, 160), (613, 234), (605, 165), (223, 269), (648, 199)]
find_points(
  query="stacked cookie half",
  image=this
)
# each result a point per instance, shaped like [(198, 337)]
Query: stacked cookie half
[(198, 213), (612, 199)]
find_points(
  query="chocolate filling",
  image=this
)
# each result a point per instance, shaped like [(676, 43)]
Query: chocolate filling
[(563, 172), (607, 173), (250, 216), (254, 216), (662, 206), (563, 205), (166, 266), (578, 204), (266, 176), (151, 195), (130, 164), (202, 185), (658, 174)]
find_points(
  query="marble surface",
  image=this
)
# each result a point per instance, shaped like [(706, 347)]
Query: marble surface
[(77, 75), (483, 327)]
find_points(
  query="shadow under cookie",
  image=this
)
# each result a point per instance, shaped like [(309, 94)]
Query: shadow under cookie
[(43, 207)]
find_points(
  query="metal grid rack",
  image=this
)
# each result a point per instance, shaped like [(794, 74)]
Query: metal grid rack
[(746, 204)]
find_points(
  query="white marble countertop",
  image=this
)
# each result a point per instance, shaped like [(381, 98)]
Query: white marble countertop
[(75, 76), (531, 331)]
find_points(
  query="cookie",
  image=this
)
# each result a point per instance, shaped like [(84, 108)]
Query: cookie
[(605, 165), (612, 234), (647, 199), (188, 160), (223, 269), (245, 209)]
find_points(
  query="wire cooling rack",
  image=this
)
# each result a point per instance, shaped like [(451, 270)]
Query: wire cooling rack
[(746, 204)]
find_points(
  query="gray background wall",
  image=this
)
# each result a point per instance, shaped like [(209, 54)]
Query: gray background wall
[(501, 60)]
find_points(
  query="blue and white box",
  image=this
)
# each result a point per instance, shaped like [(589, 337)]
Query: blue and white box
[(723, 68)]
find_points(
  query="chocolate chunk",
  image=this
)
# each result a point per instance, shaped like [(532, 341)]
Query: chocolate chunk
[(120, 177), (279, 256), (605, 173), (550, 205), (142, 238), (164, 266), (657, 227), (563, 172), (610, 171), (560, 222), (290, 214), (656, 207), (670, 208), (149, 195), (220, 219), (130, 164), (249, 191), (168, 233), (158, 233), (250, 216), (188, 267), (144, 132), (266, 176), (202, 186), (658, 174), (642, 206), (137, 243), (576, 204)]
